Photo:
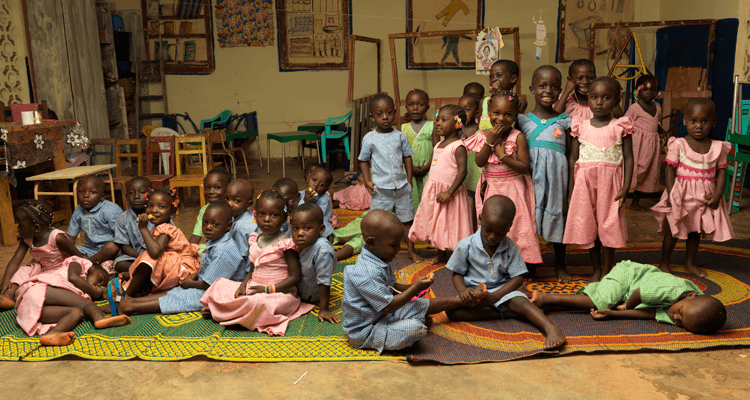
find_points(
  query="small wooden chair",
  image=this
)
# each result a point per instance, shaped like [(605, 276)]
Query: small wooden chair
[(219, 148), (154, 147), (120, 180), (97, 144), (186, 146)]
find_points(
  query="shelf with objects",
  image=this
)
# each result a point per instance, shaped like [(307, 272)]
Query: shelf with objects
[(114, 92)]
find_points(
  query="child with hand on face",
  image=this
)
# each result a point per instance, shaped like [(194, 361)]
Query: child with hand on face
[(490, 259), (444, 217), (693, 207), (639, 291), (127, 234), (333, 219), (419, 132), (289, 191), (318, 182), (386, 163), (380, 313), (503, 76), (221, 259), (97, 218), (316, 257), (601, 167), (266, 300), (214, 187), (470, 104), (574, 100)]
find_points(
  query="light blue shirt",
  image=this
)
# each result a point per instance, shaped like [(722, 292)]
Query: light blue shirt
[(318, 263), (324, 202), (221, 259), (127, 231), (386, 152), (98, 223), (242, 226)]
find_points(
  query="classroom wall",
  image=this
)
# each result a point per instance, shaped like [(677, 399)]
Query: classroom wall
[(699, 9)]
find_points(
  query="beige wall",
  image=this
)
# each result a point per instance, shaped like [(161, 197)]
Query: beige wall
[(699, 9)]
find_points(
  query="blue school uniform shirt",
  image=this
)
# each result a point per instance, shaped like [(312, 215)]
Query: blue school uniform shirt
[(318, 262), (242, 226), (98, 224), (324, 202), (127, 232), (386, 152)]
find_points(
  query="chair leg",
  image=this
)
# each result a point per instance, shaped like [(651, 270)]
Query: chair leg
[(317, 148), (325, 152), (244, 158), (234, 166), (260, 157), (203, 197), (283, 161), (75, 194), (346, 147)]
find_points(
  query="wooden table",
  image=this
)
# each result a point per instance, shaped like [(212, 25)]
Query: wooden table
[(75, 174)]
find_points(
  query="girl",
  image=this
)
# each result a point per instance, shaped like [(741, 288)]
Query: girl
[(267, 299), (548, 133), (53, 294), (503, 154), (598, 185), (419, 131), (503, 76), (470, 104), (443, 218), (168, 256), (645, 114), (693, 204)]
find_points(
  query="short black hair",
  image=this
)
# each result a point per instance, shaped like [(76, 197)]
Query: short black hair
[(581, 62), (509, 65), (419, 92), (140, 179), (472, 97), (474, 85), (701, 101), (171, 193), (713, 315), (223, 173), (612, 82), (272, 195), (504, 93), (380, 97), (646, 78), (545, 68), (223, 206), (312, 167), (316, 211), (457, 111), (286, 183)]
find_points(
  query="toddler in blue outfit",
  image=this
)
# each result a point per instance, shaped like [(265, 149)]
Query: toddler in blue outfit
[(240, 194), (127, 235), (97, 219), (318, 182)]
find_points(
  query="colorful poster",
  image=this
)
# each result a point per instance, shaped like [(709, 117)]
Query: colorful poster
[(244, 23), (576, 16), (313, 34)]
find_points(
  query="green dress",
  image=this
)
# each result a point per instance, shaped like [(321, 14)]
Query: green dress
[(421, 145), (484, 122), (473, 172), (351, 234)]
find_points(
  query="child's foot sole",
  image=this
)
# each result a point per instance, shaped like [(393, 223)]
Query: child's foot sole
[(537, 299), (110, 322), (6, 303), (554, 339), (58, 339)]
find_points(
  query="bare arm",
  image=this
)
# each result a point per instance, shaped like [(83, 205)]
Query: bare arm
[(65, 244), (14, 264), (74, 277), (634, 300), (155, 247), (521, 164), (128, 250), (572, 159), (461, 156), (195, 239), (409, 168), (627, 152), (400, 299), (498, 294), (294, 270), (242, 290), (364, 166), (721, 181), (325, 314), (641, 313), (559, 105)]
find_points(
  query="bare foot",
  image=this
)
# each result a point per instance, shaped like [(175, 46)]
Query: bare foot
[(6, 303), (555, 338), (414, 256), (110, 322), (695, 270), (596, 276), (206, 313), (58, 339), (562, 274), (440, 258), (538, 299), (637, 207), (478, 293), (664, 267), (428, 321)]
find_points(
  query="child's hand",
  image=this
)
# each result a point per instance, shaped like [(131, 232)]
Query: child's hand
[(495, 87), (186, 282), (143, 221), (443, 197), (240, 291), (602, 315), (668, 203), (424, 282), (370, 187), (570, 86), (99, 291), (310, 195), (713, 202), (492, 134), (621, 307), (466, 296), (325, 315), (621, 197), (256, 289)]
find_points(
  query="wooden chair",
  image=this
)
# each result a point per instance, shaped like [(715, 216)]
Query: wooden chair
[(250, 130), (219, 147), (154, 147), (120, 180), (185, 148)]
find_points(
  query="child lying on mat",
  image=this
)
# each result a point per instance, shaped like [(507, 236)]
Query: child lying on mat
[(380, 313), (639, 291)]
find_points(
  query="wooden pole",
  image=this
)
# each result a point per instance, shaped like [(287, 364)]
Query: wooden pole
[(394, 68), (352, 40)]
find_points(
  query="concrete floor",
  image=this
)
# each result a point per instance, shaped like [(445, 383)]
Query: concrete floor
[(669, 375)]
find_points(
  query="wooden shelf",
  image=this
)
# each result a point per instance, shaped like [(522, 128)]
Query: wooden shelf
[(191, 35), (174, 18)]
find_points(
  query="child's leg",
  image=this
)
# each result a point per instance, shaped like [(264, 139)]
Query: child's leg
[(442, 256), (410, 245), (473, 208), (596, 261), (531, 275), (140, 278), (66, 318), (57, 297), (667, 247), (8, 297), (108, 252), (560, 270), (608, 260), (635, 204), (123, 266), (344, 252), (568, 301), (140, 305), (691, 250), (535, 316)]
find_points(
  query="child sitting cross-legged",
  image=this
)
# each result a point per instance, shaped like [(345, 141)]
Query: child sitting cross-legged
[(221, 259), (96, 217), (489, 258), (289, 191), (127, 235), (380, 313), (333, 218), (318, 182), (214, 187), (316, 257), (639, 291)]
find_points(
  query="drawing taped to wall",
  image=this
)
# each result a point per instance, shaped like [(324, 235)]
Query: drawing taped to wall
[(313, 34)]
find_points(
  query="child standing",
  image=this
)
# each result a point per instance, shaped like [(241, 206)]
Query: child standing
[(475, 89), (503, 76), (266, 300), (214, 186), (489, 258), (547, 132), (693, 204), (444, 218), (386, 163), (419, 132), (316, 257), (379, 313), (646, 114), (127, 234), (575, 99), (470, 104), (601, 161), (96, 217), (503, 154), (318, 182)]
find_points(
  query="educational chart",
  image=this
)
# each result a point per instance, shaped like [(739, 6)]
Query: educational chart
[(742, 58), (313, 34), (575, 18), (450, 51)]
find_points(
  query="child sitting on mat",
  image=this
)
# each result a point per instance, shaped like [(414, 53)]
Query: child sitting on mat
[(240, 195), (316, 257), (221, 259), (380, 313), (214, 186), (289, 191), (96, 217), (333, 219), (639, 291), (318, 182), (489, 258), (127, 235)]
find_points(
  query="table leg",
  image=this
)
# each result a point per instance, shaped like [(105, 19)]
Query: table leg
[(6, 214), (283, 161), (112, 188), (303, 157), (75, 194), (268, 155), (317, 148)]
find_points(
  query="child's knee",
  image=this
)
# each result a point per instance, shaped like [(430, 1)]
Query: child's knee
[(123, 266)]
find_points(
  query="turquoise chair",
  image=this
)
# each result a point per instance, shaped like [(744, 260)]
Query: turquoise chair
[(741, 157), (331, 132), (221, 121)]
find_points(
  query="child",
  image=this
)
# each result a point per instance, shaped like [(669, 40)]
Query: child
[(318, 182), (548, 135), (127, 234), (54, 293), (214, 186), (266, 300), (575, 99), (316, 257), (351, 237), (639, 291), (503, 154), (240, 194), (646, 114), (387, 177), (470, 104), (475, 89), (489, 258), (169, 257), (221, 259), (600, 178), (97, 219), (419, 131), (289, 191), (380, 313), (693, 204), (333, 219), (444, 217), (503, 76)]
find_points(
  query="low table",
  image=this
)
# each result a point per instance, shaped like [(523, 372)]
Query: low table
[(286, 137), (75, 173)]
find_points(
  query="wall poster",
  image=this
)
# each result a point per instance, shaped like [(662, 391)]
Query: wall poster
[(575, 18)]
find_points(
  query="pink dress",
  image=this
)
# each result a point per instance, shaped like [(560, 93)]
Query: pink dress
[(268, 313), (574, 109), (696, 179), (593, 212), (443, 225), (355, 197), (646, 148), (33, 280), (518, 187), (178, 260)]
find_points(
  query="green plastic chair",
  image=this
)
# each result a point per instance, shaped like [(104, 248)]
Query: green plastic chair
[(741, 158), (331, 133), (221, 121)]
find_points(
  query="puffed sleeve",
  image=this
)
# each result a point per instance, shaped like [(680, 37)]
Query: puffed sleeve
[(284, 245), (575, 126), (475, 142), (726, 148), (674, 147), (625, 126)]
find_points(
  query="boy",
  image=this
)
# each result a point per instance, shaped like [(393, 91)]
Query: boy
[(239, 195), (318, 182), (214, 185), (489, 257), (97, 219), (637, 291), (385, 161), (333, 219), (127, 235), (316, 258), (378, 311), (221, 259), (475, 89), (288, 189)]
